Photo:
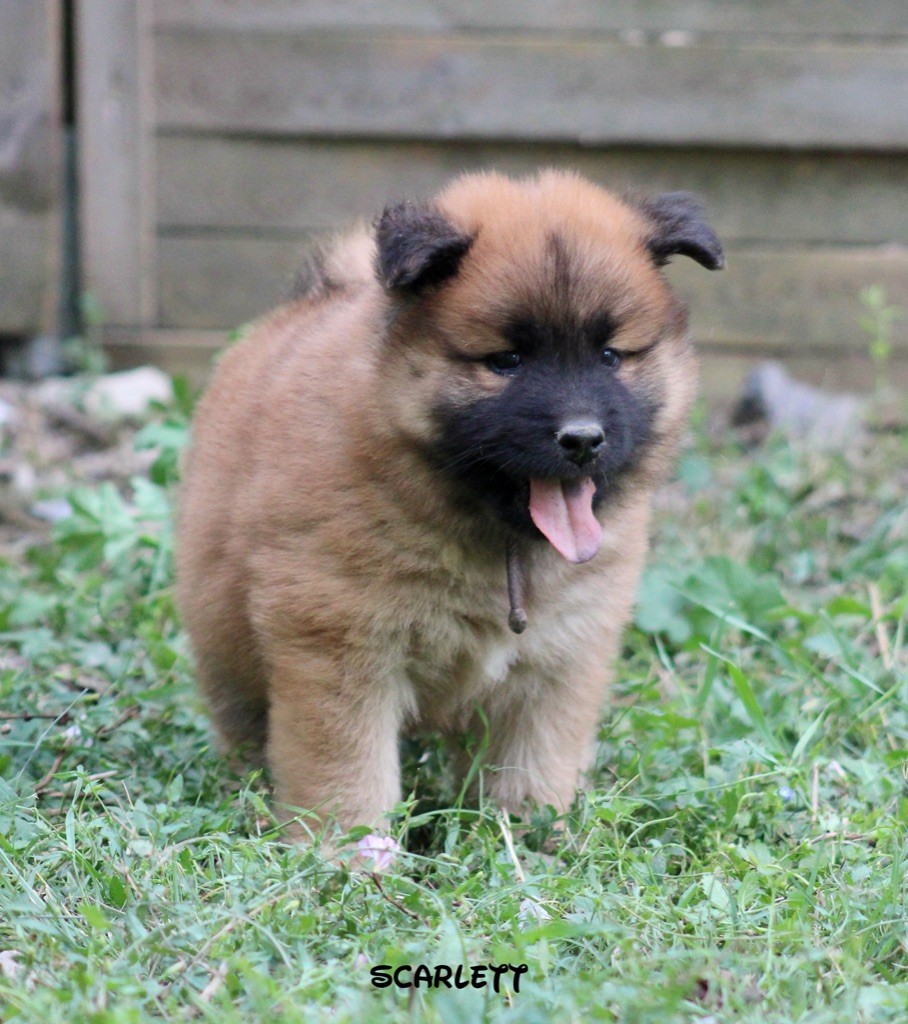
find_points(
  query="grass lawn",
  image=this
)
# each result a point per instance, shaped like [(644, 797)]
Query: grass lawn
[(741, 857)]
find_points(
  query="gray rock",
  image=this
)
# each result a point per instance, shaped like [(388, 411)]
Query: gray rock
[(823, 419)]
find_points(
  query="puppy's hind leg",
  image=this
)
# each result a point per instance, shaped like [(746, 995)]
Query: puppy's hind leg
[(229, 667), (232, 683), (239, 714)]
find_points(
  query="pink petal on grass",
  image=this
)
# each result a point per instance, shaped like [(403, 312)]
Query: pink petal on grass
[(382, 850)]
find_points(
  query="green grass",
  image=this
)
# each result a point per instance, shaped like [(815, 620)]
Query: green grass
[(742, 855)]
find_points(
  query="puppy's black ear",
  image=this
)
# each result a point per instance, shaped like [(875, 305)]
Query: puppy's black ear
[(417, 247), (679, 226)]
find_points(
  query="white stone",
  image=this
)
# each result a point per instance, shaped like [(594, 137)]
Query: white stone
[(128, 394), (51, 510), (677, 38), (9, 963), (9, 417)]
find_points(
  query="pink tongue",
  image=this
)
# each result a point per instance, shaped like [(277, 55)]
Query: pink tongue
[(563, 511)]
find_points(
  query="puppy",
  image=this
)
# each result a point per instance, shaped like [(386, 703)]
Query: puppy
[(453, 434)]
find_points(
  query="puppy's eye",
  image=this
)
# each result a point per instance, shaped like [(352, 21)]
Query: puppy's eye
[(503, 362), (611, 357)]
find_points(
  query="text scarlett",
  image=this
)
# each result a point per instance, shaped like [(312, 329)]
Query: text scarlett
[(443, 975)]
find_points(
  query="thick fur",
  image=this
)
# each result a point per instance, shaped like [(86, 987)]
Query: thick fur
[(359, 469)]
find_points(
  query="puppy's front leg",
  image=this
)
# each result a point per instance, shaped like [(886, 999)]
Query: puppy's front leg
[(333, 738), (542, 734)]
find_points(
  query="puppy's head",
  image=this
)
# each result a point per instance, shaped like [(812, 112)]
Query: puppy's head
[(536, 354)]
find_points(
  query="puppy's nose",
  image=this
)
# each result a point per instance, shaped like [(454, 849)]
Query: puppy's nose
[(581, 440)]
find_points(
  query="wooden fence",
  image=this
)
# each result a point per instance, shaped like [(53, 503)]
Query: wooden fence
[(30, 166), (218, 136)]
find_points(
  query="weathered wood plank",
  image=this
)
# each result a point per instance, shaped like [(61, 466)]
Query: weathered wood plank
[(820, 17), (189, 354), (30, 160), (806, 298), (222, 282), (29, 106), (116, 157), (582, 91), (246, 184), (29, 272), (722, 369), (802, 299)]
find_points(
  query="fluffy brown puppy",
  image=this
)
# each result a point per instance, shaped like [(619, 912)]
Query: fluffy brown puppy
[(498, 377)]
